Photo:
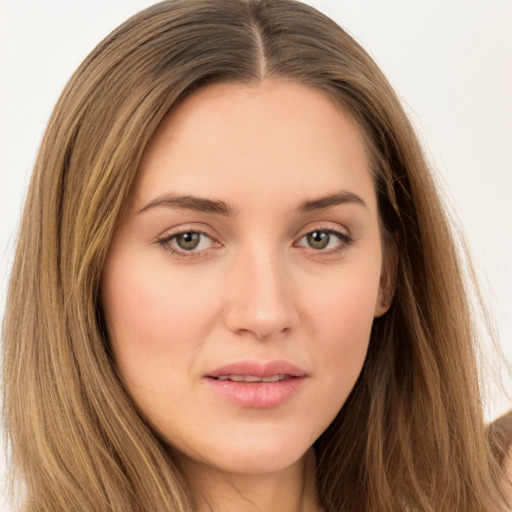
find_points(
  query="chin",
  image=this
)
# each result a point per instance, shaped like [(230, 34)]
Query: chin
[(259, 454), (258, 463)]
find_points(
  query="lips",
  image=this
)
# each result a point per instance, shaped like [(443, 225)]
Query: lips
[(257, 369), (256, 385), (252, 378)]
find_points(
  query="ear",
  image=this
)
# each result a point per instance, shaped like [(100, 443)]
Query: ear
[(388, 279)]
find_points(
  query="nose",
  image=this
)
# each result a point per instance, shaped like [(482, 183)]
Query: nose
[(260, 296)]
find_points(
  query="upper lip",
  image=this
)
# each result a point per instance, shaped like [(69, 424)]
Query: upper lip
[(258, 369)]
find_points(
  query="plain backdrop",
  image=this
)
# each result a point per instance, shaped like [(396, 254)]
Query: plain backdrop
[(449, 60)]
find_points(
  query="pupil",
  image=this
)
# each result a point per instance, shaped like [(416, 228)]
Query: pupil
[(318, 239), (188, 241)]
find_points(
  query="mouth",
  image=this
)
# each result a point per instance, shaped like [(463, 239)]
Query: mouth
[(252, 378), (255, 371), (257, 385)]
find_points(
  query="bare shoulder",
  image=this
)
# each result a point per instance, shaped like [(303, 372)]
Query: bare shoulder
[(507, 466), (506, 479), (502, 434)]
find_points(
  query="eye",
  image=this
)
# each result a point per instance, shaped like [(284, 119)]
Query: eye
[(325, 240), (186, 242)]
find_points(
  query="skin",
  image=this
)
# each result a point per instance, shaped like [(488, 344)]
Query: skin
[(506, 481), (254, 288)]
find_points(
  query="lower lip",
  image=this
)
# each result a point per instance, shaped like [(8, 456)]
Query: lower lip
[(256, 395)]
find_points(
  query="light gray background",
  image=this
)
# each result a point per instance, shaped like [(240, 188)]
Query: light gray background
[(449, 60)]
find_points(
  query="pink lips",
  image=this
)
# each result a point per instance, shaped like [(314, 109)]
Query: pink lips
[(256, 385)]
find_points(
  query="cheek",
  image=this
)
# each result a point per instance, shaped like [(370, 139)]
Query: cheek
[(152, 320), (341, 318), (344, 302), (144, 303)]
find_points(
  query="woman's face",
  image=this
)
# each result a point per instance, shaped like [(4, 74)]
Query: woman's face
[(241, 286)]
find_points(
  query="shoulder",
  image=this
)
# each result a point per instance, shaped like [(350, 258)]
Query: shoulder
[(501, 430), (507, 475)]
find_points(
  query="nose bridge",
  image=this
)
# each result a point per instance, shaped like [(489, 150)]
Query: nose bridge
[(261, 301)]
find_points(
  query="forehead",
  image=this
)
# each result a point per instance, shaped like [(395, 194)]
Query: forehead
[(255, 139)]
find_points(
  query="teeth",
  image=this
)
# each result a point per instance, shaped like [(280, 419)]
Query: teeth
[(244, 378), (247, 378), (251, 378), (274, 378)]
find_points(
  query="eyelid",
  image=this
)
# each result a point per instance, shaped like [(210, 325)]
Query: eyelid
[(344, 236), (164, 240), (324, 226)]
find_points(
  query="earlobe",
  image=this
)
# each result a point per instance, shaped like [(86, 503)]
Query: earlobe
[(388, 280), (385, 296)]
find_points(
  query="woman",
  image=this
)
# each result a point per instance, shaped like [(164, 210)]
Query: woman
[(235, 287)]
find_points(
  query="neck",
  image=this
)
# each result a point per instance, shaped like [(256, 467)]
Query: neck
[(291, 489)]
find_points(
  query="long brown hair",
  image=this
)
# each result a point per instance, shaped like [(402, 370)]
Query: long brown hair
[(411, 435)]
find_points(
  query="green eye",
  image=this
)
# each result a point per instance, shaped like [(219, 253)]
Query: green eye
[(318, 239), (188, 241), (326, 241), (188, 244)]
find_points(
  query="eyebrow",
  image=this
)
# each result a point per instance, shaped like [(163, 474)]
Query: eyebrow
[(338, 198), (199, 204), (202, 204)]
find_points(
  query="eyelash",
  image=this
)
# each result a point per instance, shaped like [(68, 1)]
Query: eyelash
[(165, 243), (345, 242)]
